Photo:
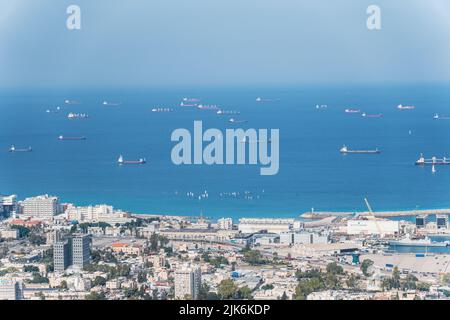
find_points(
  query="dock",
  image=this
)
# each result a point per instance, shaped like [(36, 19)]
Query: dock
[(380, 214)]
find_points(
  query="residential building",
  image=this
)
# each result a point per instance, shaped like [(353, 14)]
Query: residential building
[(61, 255), (225, 223), (41, 207), (188, 282), (10, 289)]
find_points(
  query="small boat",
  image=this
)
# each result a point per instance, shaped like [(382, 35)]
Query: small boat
[(61, 137), (122, 161), (402, 107), (345, 150), (14, 149), (367, 115), (350, 110), (233, 120)]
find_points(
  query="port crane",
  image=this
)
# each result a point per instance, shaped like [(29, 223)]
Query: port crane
[(373, 215)]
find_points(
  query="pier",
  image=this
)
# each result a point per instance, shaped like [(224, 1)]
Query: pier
[(379, 214)]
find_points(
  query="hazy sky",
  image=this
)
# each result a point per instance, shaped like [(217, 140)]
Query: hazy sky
[(222, 42)]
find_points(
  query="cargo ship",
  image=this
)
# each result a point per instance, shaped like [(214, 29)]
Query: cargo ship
[(162, 110), (368, 115), (438, 117), (227, 112), (61, 137), (402, 107), (408, 242), (233, 120), (345, 150), (188, 104), (121, 160), (72, 115), (422, 161), (207, 107), (71, 102), (349, 110), (107, 103), (14, 149), (191, 100)]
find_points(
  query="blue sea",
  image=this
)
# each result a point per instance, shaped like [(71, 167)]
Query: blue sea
[(312, 171)]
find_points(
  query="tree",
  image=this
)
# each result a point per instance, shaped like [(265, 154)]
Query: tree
[(244, 293), (308, 286), (352, 282), (284, 296), (253, 257), (28, 268), (63, 285), (365, 266), (267, 287), (227, 289), (99, 281), (23, 231), (36, 239), (142, 277), (37, 278), (95, 296), (334, 269), (395, 278)]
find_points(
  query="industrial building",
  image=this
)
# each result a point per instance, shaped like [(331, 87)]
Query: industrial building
[(379, 227)]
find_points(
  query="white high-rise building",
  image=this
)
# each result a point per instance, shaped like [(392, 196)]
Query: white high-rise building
[(41, 207), (10, 289), (225, 224), (188, 282)]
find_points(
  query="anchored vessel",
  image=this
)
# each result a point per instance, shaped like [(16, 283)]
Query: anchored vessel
[(422, 161), (14, 149), (367, 115), (439, 117), (349, 110), (233, 120), (417, 243), (345, 150), (61, 137), (162, 109), (77, 115), (108, 103), (122, 161), (402, 107)]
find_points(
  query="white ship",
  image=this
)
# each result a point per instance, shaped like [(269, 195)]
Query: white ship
[(408, 242), (402, 107), (121, 161), (14, 149), (72, 115)]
